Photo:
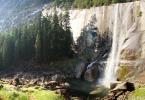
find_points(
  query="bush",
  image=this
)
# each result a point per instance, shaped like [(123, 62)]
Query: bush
[(139, 14)]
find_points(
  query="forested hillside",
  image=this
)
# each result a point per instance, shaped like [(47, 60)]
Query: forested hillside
[(44, 39), (88, 3)]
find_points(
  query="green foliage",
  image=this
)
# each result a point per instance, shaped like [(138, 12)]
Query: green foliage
[(45, 39), (45, 95), (38, 47), (60, 37), (86, 3), (139, 14), (138, 94), (7, 50), (8, 92)]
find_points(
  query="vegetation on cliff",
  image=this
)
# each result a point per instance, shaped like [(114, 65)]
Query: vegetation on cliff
[(87, 3)]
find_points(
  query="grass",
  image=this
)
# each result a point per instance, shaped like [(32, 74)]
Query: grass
[(138, 94), (43, 95), (9, 92)]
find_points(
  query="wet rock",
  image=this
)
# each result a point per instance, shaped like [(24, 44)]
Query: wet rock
[(79, 69), (91, 74)]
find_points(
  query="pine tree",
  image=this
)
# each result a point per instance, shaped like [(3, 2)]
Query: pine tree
[(38, 47), (46, 31), (67, 34), (7, 51), (39, 37), (17, 44)]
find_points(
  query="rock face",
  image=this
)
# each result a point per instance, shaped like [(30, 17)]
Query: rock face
[(18, 11), (79, 69), (91, 74), (130, 30), (105, 17)]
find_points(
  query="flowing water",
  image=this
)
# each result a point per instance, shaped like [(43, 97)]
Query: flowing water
[(114, 57), (91, 64)]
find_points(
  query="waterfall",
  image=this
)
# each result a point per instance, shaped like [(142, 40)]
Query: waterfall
[(114, 57)]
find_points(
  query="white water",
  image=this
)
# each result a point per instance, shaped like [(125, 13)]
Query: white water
[(91, 64), (114, 58)]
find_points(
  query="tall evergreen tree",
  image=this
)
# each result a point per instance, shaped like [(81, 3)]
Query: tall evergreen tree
[(7, 51)]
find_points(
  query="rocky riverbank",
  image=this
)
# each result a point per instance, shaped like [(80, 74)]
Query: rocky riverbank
[(66, 88)]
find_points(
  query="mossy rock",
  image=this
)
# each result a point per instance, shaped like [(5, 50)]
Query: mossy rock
[(124, 71)]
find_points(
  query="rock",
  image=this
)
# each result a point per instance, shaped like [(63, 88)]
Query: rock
[(119, 90), (91, 74), (124, 86), (114, 84), (99, 91), (58, 78), (52, 83), (61, 91), (16, 81), (58, 91), (33, 82), (130, 86), (79, 69), (58, 87), (65, 85)]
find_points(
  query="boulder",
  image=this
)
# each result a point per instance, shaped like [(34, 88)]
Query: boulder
[(58, 78), (52, 83), (114, 84), (65, 85), (124, 86), (34, 82), (16, 81), (91, 74), (61, 91)]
